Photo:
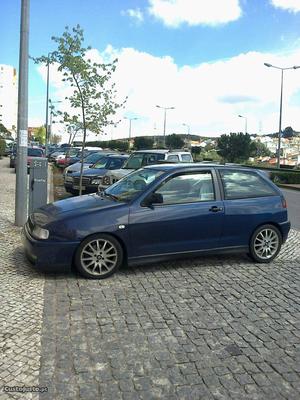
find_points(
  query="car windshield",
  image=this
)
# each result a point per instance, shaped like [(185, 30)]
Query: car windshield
[(92, 158), (35, 152), (139, 160), (131, 185), (101, 163)]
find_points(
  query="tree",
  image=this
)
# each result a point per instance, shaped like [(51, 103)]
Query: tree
[(288, 132), (2, 147), (143, 143), (55, 139), (93, 97), (121, 145), (39, 134), (259, 149), (174, 141), (235, 147)]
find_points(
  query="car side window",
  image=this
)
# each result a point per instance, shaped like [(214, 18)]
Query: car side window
[(244, 184), (173, 158), (188, 188), (186, 157)]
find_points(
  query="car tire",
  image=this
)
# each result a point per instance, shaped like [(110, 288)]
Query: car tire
[(265, 243), (98, 256)]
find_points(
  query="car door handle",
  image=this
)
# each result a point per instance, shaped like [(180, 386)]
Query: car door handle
[(216, 209)]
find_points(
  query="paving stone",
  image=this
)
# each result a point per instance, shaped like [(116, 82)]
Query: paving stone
[(219, 327)]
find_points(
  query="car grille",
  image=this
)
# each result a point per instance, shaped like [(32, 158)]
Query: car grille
[(85, 181)]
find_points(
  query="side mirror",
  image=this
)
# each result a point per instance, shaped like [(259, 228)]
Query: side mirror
[(153, 198)]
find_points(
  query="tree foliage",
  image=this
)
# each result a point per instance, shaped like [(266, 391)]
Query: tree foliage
[(93, 94), (174, 141), (39, 134), (143, 143), (259, 149), (2, 147), (235, 147), (55, 139)]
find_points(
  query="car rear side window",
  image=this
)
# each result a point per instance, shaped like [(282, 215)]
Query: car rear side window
[(173, 158), (186, 157), (244, 184)]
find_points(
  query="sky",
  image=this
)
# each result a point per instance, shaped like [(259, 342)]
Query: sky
[(205, 58)]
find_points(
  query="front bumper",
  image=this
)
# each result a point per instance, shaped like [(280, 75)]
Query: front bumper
[(48, 255)]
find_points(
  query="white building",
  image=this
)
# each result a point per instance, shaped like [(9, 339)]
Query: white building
[(8, 96)]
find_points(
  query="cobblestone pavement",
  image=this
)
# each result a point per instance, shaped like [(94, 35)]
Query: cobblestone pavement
[(207, 328), (21, 300)]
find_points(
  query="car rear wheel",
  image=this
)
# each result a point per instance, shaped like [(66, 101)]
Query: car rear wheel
[(265, 243), (98, 256)]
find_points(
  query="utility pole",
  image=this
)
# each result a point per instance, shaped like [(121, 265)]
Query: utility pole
[(22, 129), (47, 109)]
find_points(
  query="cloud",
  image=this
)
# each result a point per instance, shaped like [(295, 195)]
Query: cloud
[(237, 99), (289, 5), (136, 14), (208, 97), (173, 13)]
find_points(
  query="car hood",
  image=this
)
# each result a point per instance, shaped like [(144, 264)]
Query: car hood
[(119, 173), (76, 167), (92, 172), (77, 205)]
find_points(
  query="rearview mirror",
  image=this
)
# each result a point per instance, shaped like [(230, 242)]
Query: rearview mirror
[(153, 198)]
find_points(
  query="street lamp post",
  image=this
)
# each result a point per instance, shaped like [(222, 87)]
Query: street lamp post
[(188, 130), (130, 119), (50, 126), (241, 116), (280, 108), (165, 120), (47, 108)]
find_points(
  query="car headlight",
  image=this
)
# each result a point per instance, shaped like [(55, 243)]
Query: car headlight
[(106, 181), (40, 233), (96, 181)]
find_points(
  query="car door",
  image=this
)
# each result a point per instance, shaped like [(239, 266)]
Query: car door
[(189, 219)]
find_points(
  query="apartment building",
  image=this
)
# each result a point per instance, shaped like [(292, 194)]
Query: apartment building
[(8, 96)]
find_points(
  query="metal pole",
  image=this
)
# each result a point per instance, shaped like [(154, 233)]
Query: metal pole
[(50, 129), (129, 129), (47, 108), (280, 117), (165, 120), (22, 130)]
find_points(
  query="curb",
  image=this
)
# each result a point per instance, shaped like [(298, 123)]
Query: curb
[(288, 187)]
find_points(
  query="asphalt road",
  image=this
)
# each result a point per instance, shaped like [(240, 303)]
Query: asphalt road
[(293, 202)]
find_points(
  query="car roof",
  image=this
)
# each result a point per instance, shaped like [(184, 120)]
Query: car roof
[(161, 151), (172, 166)]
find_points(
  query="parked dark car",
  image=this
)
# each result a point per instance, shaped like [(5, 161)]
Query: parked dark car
[(32, 152), (87, 162), (92, 176), (161, 212)]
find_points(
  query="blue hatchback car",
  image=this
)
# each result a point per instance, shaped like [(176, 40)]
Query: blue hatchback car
[(161, 212)]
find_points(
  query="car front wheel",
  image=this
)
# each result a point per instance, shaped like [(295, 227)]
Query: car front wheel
[(98, 256), (265, 243)]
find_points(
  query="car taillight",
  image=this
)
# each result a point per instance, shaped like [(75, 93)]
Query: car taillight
[(283, 202)]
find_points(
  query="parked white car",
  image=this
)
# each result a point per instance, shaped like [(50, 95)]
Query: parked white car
[(141, 158)]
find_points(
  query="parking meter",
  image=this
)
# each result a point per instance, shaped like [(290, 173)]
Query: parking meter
[(38, 189)]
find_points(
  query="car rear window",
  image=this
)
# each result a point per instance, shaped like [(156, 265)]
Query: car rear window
[(34, 152), (244, 184)]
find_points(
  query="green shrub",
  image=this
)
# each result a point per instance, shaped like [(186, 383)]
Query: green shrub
[(2, 147), (285, 177)]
